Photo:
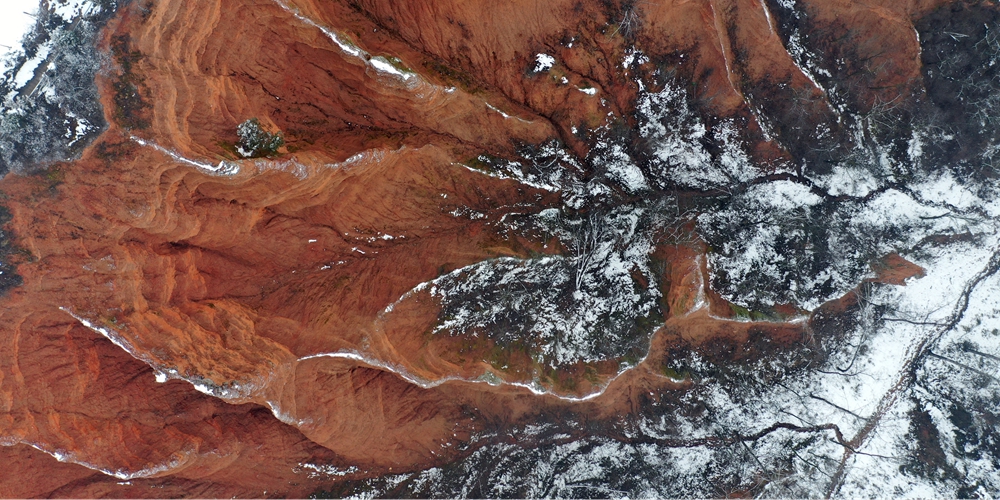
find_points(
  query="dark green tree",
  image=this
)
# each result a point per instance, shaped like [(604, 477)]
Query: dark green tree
[(256, 142)]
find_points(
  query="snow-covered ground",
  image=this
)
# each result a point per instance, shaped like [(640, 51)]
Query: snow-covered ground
[(900, 401), (17, 17), (898, 398), (49, 108)]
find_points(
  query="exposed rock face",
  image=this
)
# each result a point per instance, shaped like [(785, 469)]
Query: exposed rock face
[(487, 218)]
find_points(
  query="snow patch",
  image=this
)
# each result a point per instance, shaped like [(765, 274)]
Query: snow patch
[(543, 62)]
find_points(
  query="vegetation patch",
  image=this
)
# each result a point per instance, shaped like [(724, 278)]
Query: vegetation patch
[(255, 142), (132, 109), (9, 253), (458, 78)]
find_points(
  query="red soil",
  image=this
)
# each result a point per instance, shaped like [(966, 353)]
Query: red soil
[(232, 280)]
